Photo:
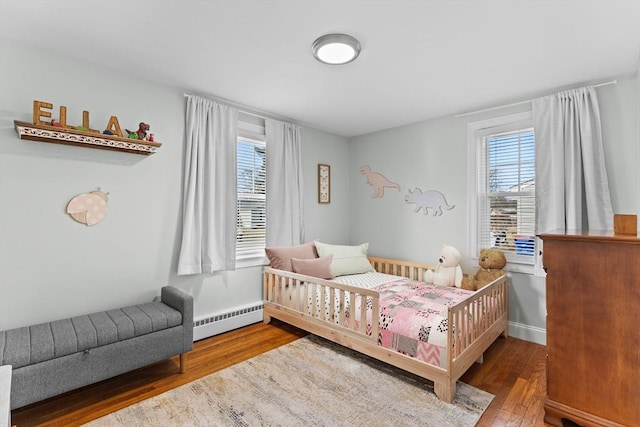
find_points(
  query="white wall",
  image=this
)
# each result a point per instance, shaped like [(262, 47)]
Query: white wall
[(52, 267), (432, 155), (619, 106), (326, 222)]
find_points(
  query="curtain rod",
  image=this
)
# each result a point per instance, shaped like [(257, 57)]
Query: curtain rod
[(246, 110), (612, 82)]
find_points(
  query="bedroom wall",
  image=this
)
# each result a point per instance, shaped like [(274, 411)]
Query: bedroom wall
[(327, 222), (432, 155), (619, 106), (52, 267)]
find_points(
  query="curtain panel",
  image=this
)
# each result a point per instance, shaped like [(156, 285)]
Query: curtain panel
[(209, 193), (572, 189), (285, 219)]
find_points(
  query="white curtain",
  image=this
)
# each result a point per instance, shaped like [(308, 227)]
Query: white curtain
[(285, 223), (209, 200), (572, 190)]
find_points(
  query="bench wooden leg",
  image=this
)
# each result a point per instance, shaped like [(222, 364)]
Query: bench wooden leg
[(183, 362)]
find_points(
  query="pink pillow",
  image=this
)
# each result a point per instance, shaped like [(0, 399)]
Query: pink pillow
[(318, 267), (280, 257)]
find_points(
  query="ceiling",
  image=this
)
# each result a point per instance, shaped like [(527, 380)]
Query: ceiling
[(419, 59)]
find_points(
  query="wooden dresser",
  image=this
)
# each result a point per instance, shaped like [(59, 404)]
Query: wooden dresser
[(593, 328)]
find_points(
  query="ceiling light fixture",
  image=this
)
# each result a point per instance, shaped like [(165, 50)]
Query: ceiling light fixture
[(336, 49)]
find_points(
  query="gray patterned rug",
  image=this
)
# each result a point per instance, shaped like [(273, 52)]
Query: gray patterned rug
[(309, 382)]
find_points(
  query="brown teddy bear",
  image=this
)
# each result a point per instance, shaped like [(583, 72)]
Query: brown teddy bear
[(491, 262)]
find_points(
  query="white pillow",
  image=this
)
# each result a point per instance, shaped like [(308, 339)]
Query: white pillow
[(346, 259)]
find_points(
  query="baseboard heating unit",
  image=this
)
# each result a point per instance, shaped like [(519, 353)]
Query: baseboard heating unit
[(228, 320)]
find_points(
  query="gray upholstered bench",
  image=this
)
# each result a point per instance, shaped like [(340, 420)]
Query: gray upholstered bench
[(55, 357)]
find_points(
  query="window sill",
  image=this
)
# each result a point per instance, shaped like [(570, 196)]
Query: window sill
[(519, 268), (255, 261), (513, 267)]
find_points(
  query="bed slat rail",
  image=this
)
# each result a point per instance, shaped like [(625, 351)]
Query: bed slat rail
[(474, 317), (339, 306), (414, 271)]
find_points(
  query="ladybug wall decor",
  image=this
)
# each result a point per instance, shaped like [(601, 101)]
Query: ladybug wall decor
[(88, 208)]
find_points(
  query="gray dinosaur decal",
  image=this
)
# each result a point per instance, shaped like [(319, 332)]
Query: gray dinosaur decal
[(430, 199)]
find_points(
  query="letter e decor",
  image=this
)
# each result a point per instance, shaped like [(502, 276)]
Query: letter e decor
[(377, 181)]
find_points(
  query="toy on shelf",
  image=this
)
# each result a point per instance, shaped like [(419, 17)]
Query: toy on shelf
[(141, 133)]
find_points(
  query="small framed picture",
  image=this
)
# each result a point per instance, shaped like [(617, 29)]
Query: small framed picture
[(324, 183)]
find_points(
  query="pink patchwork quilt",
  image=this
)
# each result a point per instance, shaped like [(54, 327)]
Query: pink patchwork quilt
[(413, 318)]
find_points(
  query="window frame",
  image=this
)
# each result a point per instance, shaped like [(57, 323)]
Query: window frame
[(252, 133), (476, 131)]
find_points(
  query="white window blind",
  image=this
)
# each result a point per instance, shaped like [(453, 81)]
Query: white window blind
[(251, 188), (506, 193)]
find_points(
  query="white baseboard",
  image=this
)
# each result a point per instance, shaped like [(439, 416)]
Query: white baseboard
[(528, 333), (208, 326), (215, 324)]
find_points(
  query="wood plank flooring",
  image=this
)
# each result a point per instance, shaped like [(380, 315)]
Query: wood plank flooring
[(513, 370)]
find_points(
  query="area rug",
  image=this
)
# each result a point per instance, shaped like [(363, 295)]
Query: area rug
[(309, 382)]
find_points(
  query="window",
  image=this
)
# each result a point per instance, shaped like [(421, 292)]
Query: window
[(502, 187), (251, 161), (251, 205)]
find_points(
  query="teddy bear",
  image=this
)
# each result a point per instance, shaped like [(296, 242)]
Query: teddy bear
[(491, 262), (448, 271)]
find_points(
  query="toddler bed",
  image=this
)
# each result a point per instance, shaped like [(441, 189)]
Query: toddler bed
[(434, 332)]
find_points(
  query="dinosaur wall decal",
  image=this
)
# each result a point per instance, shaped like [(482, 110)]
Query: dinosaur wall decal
[(377, 181), (430, 199)]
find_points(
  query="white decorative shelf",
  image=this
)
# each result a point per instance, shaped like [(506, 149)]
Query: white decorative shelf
[(58, 135)]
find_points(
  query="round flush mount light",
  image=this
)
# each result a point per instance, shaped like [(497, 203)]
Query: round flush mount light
[(336, 49)]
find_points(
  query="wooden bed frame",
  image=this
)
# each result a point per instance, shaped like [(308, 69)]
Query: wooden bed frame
[(471, 329)]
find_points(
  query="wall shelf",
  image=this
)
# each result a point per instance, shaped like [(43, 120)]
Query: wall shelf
[(58, 135)]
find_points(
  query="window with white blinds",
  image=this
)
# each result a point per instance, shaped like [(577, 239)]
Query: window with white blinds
[(508, 206), (251, 207), (505, 208)]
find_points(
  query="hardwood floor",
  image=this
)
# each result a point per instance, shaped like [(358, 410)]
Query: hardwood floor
[(513, 370)]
